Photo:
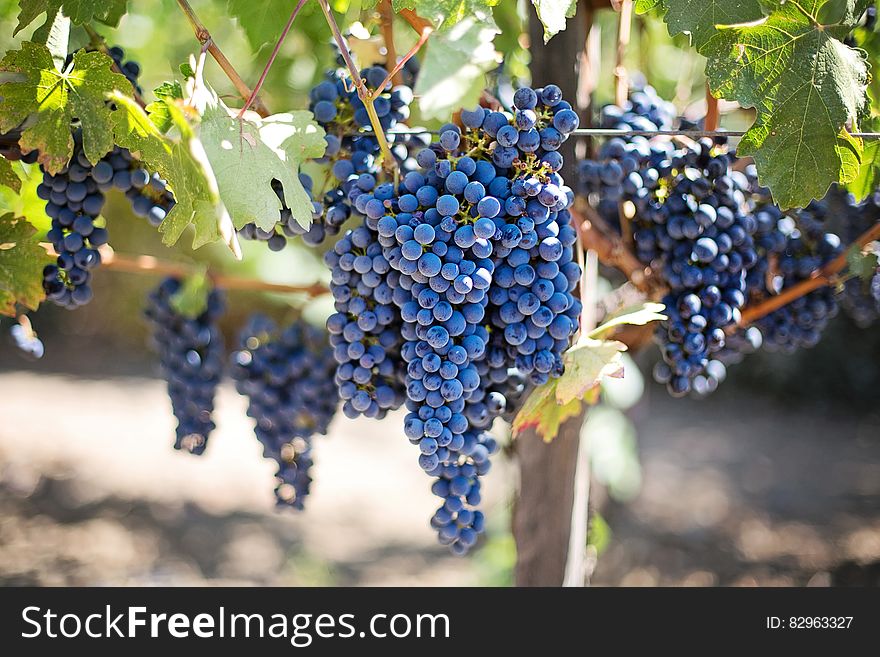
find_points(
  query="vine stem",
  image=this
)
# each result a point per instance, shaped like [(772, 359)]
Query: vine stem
[(388, 161), (598, 236), (713, 117), (97, 41), (253, 95), (423, 38), (205, 39), (823, 276), (145, 264), (386, 15)]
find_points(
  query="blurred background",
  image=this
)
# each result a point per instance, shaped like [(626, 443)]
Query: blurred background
[(774, 480)]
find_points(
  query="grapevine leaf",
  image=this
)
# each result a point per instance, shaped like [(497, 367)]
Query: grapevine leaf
[(553, 15), (453, 71), (542, 413), (637, 316), (24, 202), (182, 163), (868, 177), (807, 88), (8, 177), (700, 18), (22, 260), (55, 33), (53, 99), (862, 264), (191, 300), (644, 6), (586, 364), (79, 11), (158, 110), (261, 21), (443, 13), (247, 154)]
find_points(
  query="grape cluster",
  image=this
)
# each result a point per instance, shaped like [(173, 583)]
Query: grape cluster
[(423, 268), (287, 376), (74, 200), (191, 358)]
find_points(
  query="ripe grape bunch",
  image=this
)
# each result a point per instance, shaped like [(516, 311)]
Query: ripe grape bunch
[(74, 200), (861, 296), (191, 360), (287, 376), (470, 260)]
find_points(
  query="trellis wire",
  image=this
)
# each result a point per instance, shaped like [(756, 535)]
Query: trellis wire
[(612, 132)]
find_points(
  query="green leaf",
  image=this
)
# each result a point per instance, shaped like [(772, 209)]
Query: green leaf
[(25, 202), (443, 13), (182, 163), (700, 18), (644, 6), (868, 178), (453, 71), (79, 11), (541, 412), (247, 154), (263, 21), (158, 110), (8, 177), (191, 300), (806, 87), (635, 315), (22, 260), (586, 364), (52, 99), (862, 264), (553, 15)]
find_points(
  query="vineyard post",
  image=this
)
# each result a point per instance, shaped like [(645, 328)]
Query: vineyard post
[(543, 507)]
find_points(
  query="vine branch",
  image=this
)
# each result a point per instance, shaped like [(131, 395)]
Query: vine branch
[(145, 264), (624, 26), (253, 95), (386, 16), (423, 37), (205, 39), (388, 160)]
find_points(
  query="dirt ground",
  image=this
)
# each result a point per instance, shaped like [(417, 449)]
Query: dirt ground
[(736, 492)]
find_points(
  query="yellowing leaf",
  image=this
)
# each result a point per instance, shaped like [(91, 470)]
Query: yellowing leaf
[(8, 177), (542, 413), (22, 260), (586, 363), (633, 315)]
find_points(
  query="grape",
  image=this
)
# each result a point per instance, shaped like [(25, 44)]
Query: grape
[(287, 376), (26, 340), (191, 361)]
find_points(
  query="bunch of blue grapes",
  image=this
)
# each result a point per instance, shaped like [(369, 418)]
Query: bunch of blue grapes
[(287, 376), (438, 243), (806, 246), (191, 359), (74, 200), (694, 227)]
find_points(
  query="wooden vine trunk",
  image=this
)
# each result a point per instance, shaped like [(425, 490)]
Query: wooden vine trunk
[(542, 511)]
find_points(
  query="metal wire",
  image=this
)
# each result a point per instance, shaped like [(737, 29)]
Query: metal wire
[(611, 132)]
